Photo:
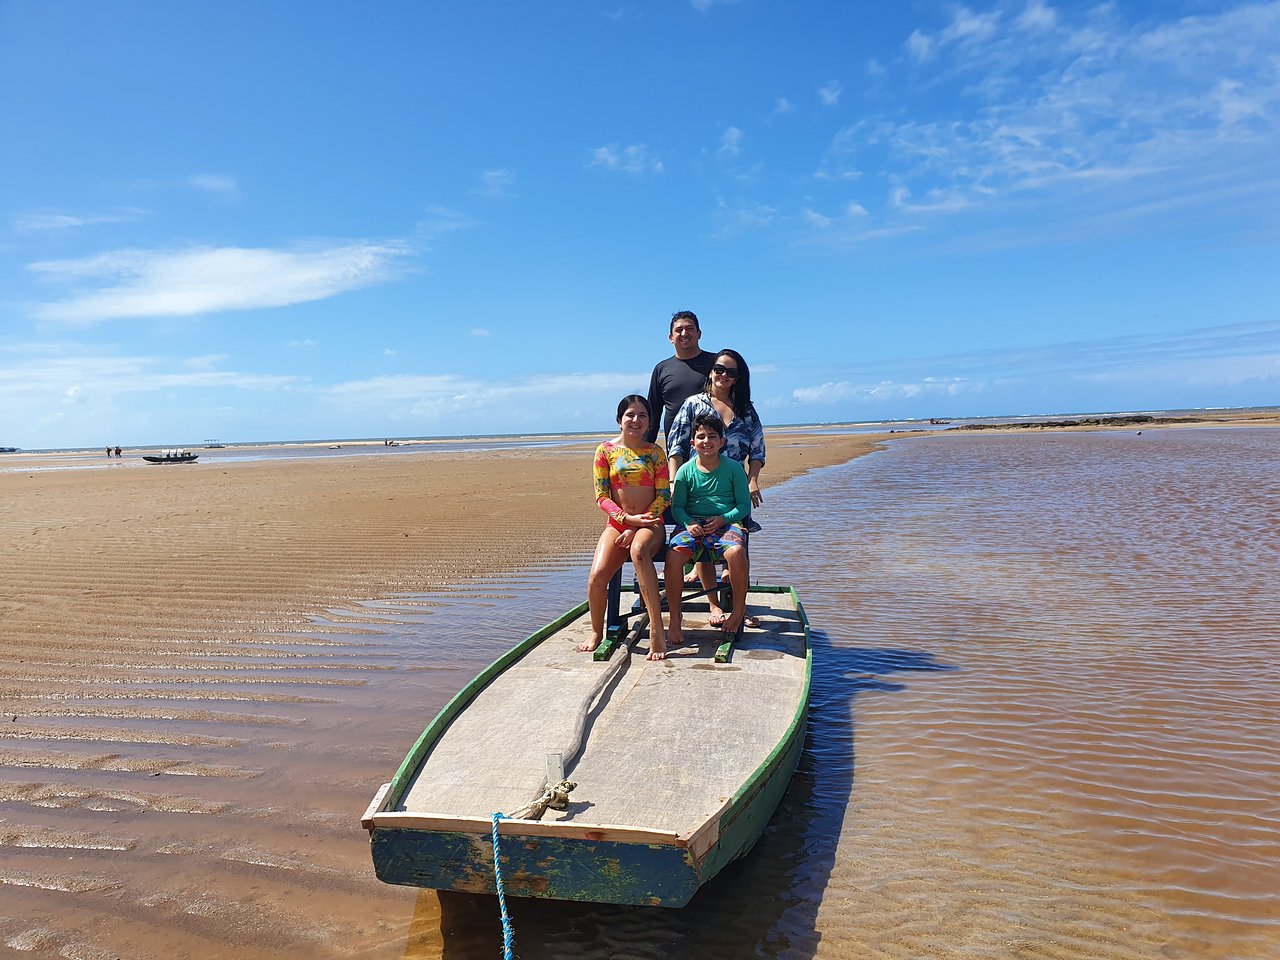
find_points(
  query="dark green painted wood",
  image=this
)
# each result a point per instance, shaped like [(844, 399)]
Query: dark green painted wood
[(599, 871)]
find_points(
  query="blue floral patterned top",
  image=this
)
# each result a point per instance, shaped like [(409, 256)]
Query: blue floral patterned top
[(743, 438)]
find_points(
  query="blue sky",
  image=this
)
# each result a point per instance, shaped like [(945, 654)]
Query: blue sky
[(312, 220)]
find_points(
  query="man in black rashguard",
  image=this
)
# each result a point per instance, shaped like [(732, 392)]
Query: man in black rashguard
[(679, 377)]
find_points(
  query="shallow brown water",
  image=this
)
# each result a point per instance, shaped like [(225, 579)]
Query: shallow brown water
[(1044, 725)]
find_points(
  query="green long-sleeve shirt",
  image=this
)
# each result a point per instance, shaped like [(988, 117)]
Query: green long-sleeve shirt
[(697, 495)]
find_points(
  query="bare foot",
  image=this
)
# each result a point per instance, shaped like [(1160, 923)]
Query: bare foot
[(732, 623), (588, 645), (657, 649), (675, 636)]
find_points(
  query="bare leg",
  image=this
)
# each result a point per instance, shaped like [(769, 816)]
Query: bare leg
[(735, 559), (674, 575), (643, 547), (707, 575), (607, 561)]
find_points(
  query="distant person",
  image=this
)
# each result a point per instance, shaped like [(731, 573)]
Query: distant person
[(108, 451), (632, 488), (676, 378), (118, 452), (709, 500), (727, 395)]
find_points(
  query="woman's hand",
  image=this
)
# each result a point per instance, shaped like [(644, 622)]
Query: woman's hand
[(753, 485), (625, 538), (645, 520)]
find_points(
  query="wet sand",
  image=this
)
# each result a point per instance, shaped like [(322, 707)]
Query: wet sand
[(195, 706), (208, 669)]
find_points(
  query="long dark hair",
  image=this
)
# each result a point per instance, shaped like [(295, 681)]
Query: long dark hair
[(740, 392), (631, 398)]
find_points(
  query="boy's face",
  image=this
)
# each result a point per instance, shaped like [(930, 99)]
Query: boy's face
[(707, 442)]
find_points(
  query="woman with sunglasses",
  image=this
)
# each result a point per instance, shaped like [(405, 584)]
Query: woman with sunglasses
[(632, 488), (727, 394)]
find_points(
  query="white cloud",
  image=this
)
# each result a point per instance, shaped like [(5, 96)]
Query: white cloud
[(1037, 16), (497, 183), (829, 94), (480, 332), (731, 142), (216, 183), (844, 390), (782, 105), (633, 159), (40, 222), (1062, 103), (95, 378), (744, 215), (438, 220), (181, 283), (206, 362)]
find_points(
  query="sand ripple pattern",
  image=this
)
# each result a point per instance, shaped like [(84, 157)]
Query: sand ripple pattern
[(1044, 721)]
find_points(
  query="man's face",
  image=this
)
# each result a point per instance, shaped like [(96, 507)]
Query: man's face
[(685, 336)]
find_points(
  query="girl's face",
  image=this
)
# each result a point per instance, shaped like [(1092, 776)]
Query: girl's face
[(635, 419), (707, 442)]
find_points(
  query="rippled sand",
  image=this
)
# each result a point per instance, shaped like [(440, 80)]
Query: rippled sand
[(196, 704)]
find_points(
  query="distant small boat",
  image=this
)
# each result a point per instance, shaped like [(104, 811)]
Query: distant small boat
[(8, 449), (214, 444), (682, 763), (174, 455)]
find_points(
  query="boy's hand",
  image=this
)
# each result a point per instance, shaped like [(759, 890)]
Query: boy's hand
[(712, 524), (695, 530)]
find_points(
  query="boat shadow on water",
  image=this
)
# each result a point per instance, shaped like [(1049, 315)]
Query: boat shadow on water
[(763, 905)]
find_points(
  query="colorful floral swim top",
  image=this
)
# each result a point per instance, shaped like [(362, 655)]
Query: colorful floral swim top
[(619, 466)]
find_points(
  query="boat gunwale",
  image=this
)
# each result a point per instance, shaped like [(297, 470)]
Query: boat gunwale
[(700, 842), (435, 729)]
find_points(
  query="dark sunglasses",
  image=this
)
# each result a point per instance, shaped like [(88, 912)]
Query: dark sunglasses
[(720, 368)]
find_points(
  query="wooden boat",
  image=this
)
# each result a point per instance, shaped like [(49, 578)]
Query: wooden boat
[(172, 456), (682, 762)]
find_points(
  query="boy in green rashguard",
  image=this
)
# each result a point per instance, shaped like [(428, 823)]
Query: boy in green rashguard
[(709, 499)]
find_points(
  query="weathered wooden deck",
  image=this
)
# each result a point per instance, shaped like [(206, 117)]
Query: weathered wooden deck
[(667, 743)]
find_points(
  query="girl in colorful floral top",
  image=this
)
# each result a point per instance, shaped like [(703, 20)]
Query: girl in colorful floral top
[(633, 489)]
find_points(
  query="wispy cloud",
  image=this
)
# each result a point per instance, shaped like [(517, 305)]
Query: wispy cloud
[(731, 142), (1079, 97), (1212, 358), (41, 222), (497, 183), (178, 283), (844, 390), (93, 377), (216, 183), (830, 92), (782, 105), (633, 159)]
